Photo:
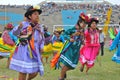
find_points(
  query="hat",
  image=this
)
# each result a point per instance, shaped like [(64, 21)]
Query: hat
[(94, 20), (32, 9), (84, 17), (59, 29), (9, 26), (89, 15)]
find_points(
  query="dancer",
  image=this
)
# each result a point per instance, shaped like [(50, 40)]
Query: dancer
[(58, 42), (47, 51), (27, 56), (7, 42), (70, 55), (116, 44), (90, 50)]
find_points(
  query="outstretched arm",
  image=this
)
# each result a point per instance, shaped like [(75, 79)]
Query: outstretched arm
[(115, 42)]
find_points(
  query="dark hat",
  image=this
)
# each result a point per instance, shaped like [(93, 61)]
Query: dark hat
[(32, 9), (93, 20)]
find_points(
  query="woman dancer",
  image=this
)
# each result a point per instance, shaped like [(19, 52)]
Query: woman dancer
[(70, 55), (90, 50), (27, 56)]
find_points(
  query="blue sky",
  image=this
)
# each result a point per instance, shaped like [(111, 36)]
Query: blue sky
[(33, 2)]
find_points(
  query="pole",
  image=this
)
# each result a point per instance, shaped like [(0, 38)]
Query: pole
[(5, 14)]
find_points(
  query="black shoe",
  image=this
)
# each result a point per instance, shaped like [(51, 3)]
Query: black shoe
[(65, 76), (81, 69)]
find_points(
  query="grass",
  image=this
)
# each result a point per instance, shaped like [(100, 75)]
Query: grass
[(108, 70)]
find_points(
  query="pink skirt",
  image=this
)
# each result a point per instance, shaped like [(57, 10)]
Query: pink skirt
[(88, 55)]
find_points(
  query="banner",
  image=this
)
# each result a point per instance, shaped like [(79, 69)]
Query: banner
[(108, 17)]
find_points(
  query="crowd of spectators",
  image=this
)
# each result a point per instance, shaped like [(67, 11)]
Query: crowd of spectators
[(95, 9)]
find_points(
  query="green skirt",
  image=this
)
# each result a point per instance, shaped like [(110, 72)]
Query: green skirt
[(70, 57)]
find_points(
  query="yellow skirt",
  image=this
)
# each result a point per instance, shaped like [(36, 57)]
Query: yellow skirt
[(47, 50), (5, 47), (57, 46)]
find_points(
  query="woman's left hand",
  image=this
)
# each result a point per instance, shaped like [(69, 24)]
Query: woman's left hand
[(20, 25), (37, 27)]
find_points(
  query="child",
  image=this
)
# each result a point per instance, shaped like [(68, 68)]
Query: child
[(57, 41), (48, 45)]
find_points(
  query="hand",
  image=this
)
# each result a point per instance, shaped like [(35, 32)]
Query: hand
[(76, 34), (82, 34), (71, 40), (37, 27), (20, 25)]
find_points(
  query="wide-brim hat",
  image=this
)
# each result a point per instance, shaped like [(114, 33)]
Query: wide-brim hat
[(59, 29), (9, 26), (32, 9), (84, 17), (93, 20)]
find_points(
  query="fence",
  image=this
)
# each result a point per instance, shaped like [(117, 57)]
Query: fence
[(65, 27)]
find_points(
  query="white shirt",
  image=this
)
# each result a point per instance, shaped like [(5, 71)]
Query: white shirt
[(102, 37)]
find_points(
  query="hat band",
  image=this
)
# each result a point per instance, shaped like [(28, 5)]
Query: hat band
[(83, 17)]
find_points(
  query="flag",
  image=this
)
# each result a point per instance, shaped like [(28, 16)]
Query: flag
[(105, 28)]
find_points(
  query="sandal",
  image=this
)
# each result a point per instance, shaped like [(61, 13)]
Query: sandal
[(65, 76)]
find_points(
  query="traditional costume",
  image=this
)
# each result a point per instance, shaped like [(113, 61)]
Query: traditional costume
[(70, 52), (116, 44), (57, 44), (7, 41), (27, 56), (47, 50), (90, 50)]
